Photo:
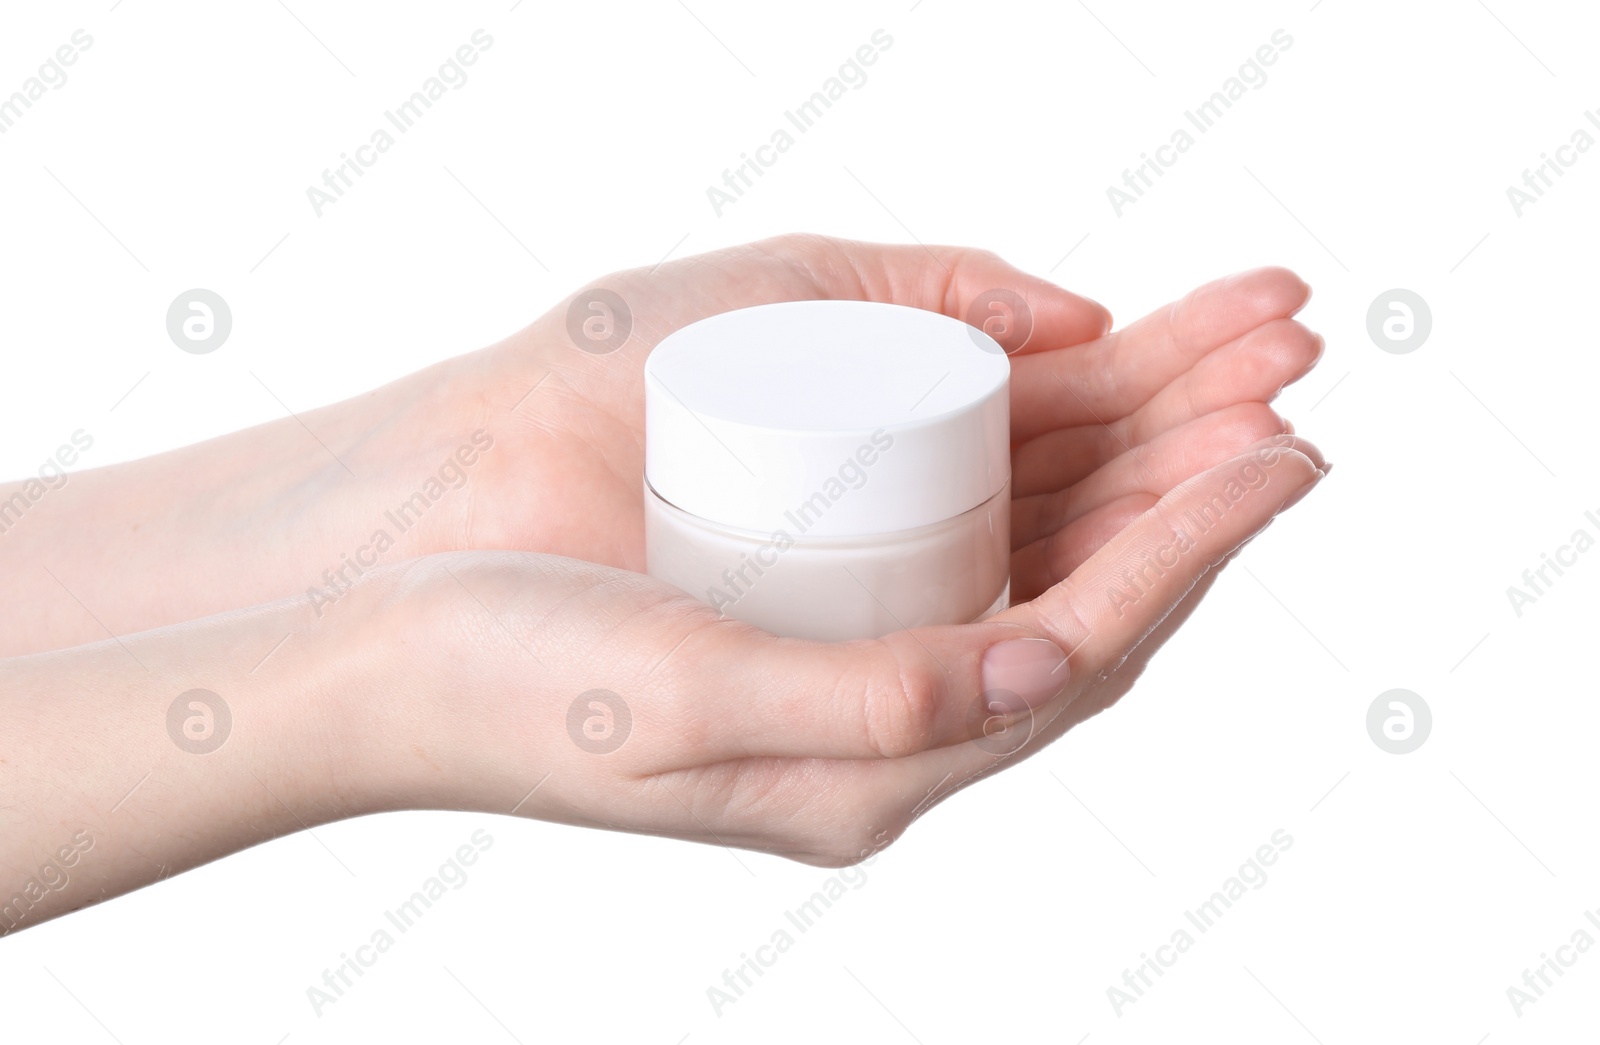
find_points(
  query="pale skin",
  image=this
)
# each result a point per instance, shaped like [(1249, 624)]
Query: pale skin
[(442, 677)]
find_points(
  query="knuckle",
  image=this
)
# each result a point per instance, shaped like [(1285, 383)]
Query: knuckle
[(974, 255), (1066, 617), (901, 709), (1256, 421), (802, 243)]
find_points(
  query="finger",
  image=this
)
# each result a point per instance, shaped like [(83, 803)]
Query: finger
[(1023, 312), (882, 698), (915, 690), (1155, 467), (1116, 598), (837, 811), (1253, 368), (1049, 726), (925, 780), (840, 811), (1035, 732), (1105, 668), (1111, 377), (1039, 565)]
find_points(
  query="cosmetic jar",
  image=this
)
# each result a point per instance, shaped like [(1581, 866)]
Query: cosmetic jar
[(830, 470)]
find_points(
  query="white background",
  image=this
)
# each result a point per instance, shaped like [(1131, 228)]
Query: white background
[(1377, 155)]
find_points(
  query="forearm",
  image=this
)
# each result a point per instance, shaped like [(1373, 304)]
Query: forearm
[(235, 521), (126, 761)]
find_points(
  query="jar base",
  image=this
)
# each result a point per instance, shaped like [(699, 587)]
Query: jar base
[(837, 589), (1000, 605)]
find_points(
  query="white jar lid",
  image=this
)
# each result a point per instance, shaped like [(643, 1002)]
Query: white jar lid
[(827, 418)]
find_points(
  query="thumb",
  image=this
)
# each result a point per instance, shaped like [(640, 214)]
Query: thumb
[(931, 687), (1023, 312)]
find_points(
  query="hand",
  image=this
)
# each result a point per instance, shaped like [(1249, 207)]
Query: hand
[(1103, 424), (621, 702), (474, 681)]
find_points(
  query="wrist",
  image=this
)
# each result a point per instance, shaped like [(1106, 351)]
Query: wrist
[(443, 698), (355, 712)]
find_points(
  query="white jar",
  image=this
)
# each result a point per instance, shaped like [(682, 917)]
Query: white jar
[(830, 469)]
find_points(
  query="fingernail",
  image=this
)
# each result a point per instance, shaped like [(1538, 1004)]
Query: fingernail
[(1021, 674), (1299, 494)]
